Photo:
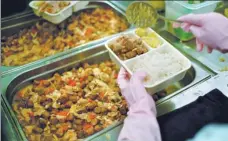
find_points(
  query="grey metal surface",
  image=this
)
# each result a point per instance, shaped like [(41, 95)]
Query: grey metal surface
[(8, 130), (93, 54), (13, 25)]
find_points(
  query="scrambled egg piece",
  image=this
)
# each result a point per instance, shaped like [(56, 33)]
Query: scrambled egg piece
[(149, 37)]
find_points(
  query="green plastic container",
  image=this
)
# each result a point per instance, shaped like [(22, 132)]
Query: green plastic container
[(176, 9)]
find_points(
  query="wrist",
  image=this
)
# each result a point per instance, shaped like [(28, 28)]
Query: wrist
[(145, 105)]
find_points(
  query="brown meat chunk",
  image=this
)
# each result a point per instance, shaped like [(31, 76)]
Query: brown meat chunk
[(42, 123), (45, 115), (90, 106), (68, 104), (97, 110), (93, 96), (73, 98), (80, 134), (127, 47), (97, 128), (53, 120), (37, 130), (59, 133), (46, 83), (63, 99), (30, 104), (123, 110), (131, 54), (78, 121)]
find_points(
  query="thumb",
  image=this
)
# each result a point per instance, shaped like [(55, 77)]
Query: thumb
[(196, 30), (139, 76), (122, 79), (193, 19)]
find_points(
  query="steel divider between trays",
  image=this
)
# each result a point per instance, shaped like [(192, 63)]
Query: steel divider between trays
[(9, 130)]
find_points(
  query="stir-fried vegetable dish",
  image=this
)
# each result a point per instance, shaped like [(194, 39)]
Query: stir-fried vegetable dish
[(44, 39), (72, 105)]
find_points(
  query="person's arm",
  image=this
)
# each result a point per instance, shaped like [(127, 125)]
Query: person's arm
[(209, 29), (141, 123)]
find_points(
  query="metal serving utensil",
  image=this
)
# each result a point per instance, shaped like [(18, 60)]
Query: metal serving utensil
[(143, 14)]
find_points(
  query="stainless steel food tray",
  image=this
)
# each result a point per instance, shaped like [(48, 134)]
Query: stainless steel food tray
[(13, 25), (93, 54)]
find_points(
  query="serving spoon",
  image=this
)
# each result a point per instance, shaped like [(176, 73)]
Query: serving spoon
[(143, 14)]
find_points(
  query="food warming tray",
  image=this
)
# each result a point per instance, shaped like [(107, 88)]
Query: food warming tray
[(11, 26), (94, 54)]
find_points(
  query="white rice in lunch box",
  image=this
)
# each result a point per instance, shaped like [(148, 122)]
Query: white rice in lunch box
[(158, 66)]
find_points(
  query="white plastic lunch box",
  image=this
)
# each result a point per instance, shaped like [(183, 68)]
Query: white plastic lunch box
[(61, 15), (165, 46)]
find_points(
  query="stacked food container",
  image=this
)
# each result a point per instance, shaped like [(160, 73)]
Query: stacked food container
[(59, 80)]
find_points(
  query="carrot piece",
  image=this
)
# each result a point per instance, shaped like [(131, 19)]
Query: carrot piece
[(101, 94), (62, 113), (49, 90), (20, 94), (31, 114), (92, 116), (64, 127), (88, 31), (71, 43), (41, 82), (87, 126), (90, 100), (82, 79), (116, 75), (71, 82)]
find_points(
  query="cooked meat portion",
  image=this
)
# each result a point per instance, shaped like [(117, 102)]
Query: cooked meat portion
[(71, 112), (127, 47)]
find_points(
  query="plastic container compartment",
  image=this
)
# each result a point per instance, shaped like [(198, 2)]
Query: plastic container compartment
[(165, 82), (164, 47), (176, 9), (113, 56), (54, 18)]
